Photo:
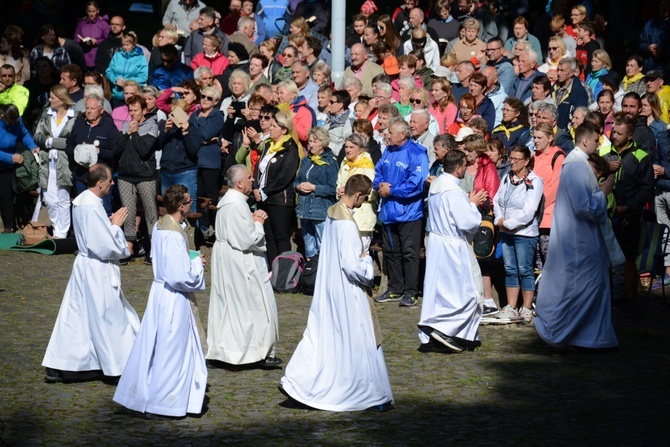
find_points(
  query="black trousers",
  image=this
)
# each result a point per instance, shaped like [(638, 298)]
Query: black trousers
[(7, 195), (278, 229), (401, 244), (208, 186)]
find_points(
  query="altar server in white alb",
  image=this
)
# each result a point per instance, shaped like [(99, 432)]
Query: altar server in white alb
[(166, 373), (450, 313), (242, 323), (573, 302), (96, 326), (339, 363)]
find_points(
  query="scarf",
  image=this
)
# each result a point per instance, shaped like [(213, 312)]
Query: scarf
[(276, 147), (360, 162), (508, 130), (628, 81), (318, 160), (335, 121)]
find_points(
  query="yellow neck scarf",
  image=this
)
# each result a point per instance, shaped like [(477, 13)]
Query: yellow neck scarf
[(276, 147), (360, 162), (318, 160), (508, 131), (628, 81)]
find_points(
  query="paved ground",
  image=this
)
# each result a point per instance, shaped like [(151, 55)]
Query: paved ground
[(512, 390)]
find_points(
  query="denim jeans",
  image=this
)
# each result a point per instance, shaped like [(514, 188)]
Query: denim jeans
[(187, 178), (312, 230), (518, 257)]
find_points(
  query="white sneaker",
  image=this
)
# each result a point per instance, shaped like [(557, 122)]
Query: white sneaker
[(508, 313), (526, 314)]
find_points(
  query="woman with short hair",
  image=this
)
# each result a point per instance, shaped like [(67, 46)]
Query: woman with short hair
[(515, 208), (315, 186)]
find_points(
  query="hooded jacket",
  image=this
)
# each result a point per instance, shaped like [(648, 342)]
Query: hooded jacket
[(136, 152), (406, 169), (129, 66)]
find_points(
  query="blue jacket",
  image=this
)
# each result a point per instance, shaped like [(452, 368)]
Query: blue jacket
[(163, 78), (576, 98), (129, 66), (210, 127), (406, 169), (180, 153), (314, 205), (8, 138)]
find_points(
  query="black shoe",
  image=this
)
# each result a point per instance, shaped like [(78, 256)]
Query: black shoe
[(79, 376), (409, 301), (271, 362), (468, 345), (125, 261), (53, 376), (381, 408), (388, 297), (147, 260), (489, 311), (446, 341)]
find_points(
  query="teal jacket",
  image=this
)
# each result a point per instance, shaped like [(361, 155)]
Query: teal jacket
[(128, 66)]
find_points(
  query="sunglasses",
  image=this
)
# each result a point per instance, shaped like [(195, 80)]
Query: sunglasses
[(265, 117), (416, 101), (553, 48), (333, 102), (208, 98), (188, 203)]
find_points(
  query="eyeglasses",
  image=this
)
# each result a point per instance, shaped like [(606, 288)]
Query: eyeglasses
[(116, 24), (287, 55), (208, 98), (188, 202), (416, 101), (515, 160), (493, 49), (265, 117)]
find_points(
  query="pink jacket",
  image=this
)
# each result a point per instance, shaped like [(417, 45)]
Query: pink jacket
[(549, 175)]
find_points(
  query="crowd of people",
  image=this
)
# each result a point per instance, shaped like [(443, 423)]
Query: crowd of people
[(462, 121)]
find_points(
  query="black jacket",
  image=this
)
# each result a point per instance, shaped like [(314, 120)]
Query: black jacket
[(280, 173), (643, 136), (137, 153), (180, 152), (105, 133), (106, 51)]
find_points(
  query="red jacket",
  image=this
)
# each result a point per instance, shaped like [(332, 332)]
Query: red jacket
[(549, 175), (217, 64), (487, 177)]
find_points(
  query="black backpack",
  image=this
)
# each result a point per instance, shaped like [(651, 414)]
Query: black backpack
[(286, 271), (308, 280), (484, 240)]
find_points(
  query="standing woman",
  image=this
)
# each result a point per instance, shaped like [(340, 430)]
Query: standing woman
[(358, 161), (601, 64), (370, 38), (209, 121), (515, 208), (606, 107), (51, 132), (128, 64), (443, 107), (48, 45), (467, 109), (651, 110), (548, 162), (485, 107), (273, 183), (514, 129), (90, 31), (11, 130), (11, 53), (135, 150), (389, 34), (315, 186)]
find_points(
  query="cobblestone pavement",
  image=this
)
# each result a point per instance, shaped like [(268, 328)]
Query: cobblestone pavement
[(513, 390)]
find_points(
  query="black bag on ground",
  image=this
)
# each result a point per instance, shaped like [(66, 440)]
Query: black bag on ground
[(308, 280), (286, 271)]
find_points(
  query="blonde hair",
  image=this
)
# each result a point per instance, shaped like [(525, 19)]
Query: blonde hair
[(131, 36), (285, 121), (471, 23), (603, 57), (60, 92)]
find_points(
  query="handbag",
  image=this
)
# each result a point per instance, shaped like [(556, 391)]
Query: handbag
[(34, 233)]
